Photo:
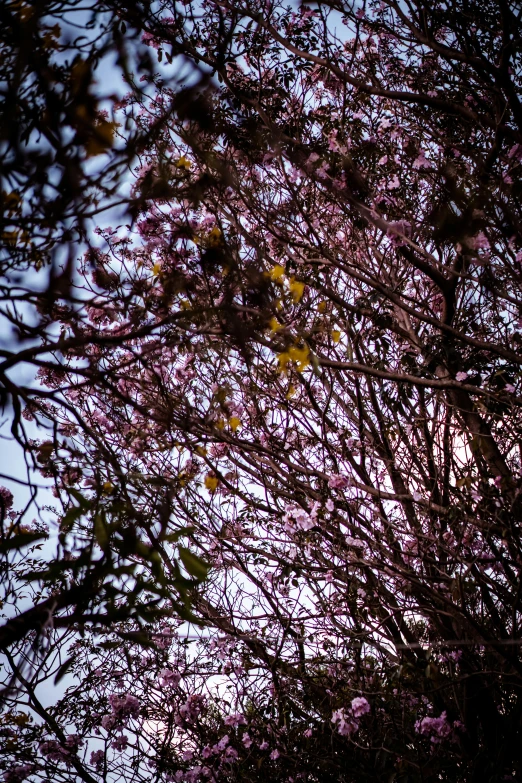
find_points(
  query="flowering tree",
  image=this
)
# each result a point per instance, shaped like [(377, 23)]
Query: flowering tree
[(318, 397)]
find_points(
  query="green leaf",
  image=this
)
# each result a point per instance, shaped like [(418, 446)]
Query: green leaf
[(84, 502), (20, 540), (173, 537), (64, 668), (109, 645), (100, 531), (70, 517), (137, 637), (193, 564)]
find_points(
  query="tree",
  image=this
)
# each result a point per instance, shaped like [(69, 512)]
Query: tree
[(318, 395), (66, 162)]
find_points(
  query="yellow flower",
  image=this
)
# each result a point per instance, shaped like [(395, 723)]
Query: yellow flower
[(183, 163), (296, 288), (336, 335), (215, 237), (301, 356), (234, 423), (211, 482), (277, 272), (274, 324)]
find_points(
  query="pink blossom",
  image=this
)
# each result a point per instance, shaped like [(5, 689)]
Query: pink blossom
[(124, 707), (421, 162), (437, 729), (397, 231), (168, 677), (480, 242), (231, 754), (345, 725), (120, 742), (461, 376), (355, 542), (17, 773), (516, 152), (6, 496), (192, 707), (359, 706), (108, 722), (97, 758), (221, 745), (339, 482), (275, 754), (235, 720), (61, 753), (296, 517)]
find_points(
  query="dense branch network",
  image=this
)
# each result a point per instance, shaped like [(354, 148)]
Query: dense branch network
[(298, 366)]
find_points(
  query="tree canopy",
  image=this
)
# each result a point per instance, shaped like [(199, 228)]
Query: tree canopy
[(277, 401)]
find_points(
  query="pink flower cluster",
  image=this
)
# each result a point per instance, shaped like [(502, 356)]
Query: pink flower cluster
[(192, 708), (55, 751), (123, 707), (339, 482), (168, 677), (437, 729), (347, 724), (297, 518), (17, 773), (235, 720), (97, 759), (6, 497)]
